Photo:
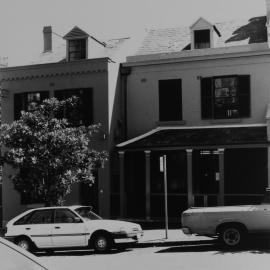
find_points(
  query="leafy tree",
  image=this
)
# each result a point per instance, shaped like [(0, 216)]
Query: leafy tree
[(49, 154)]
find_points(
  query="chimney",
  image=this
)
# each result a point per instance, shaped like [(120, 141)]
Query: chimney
[(267, 2), (267, 11), (47, 37)]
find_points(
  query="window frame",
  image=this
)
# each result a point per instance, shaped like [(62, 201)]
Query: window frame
[(195, 32), (80, 50), (212, 98)]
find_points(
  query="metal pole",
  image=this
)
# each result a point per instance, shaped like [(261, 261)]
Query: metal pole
[(165, 195)]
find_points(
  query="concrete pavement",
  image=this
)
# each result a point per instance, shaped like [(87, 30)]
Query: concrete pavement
[(158, 237)]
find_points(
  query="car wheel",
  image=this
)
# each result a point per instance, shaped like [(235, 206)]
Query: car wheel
[(102, 243), (24, 243), (232, 236)]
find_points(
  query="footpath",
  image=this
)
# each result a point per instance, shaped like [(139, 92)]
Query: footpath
[(157, 237)]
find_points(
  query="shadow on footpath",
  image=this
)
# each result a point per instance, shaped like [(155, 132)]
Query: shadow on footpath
[(252, 246), (78, 252)]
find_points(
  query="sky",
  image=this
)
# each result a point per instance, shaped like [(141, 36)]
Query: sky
[(22, 21)]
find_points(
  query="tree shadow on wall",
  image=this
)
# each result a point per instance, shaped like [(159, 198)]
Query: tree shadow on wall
[(255, 31)]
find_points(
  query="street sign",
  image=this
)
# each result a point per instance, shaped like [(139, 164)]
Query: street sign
[(161, 164)]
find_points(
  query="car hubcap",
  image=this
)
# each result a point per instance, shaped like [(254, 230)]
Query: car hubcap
[(231, 237), (24, 245), (101, 243)]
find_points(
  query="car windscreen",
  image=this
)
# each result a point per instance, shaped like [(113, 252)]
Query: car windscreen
[(87, 214)]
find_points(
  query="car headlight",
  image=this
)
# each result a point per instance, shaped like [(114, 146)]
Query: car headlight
[(122, 230)]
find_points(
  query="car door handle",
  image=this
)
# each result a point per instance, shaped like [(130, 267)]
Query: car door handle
[(28, 228), (57, 227)]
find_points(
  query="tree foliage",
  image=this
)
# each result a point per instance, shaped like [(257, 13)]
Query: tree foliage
[(49, 154)]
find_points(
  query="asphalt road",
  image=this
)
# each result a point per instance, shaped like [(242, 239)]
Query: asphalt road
[(181, 255)]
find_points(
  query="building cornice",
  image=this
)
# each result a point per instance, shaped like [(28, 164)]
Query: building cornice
[(250, 50), (50, 70)]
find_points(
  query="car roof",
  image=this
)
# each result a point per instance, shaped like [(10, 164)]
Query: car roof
[(72, 207)]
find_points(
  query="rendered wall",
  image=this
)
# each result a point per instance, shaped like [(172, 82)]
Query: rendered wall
[(79, 74), (142, 95)]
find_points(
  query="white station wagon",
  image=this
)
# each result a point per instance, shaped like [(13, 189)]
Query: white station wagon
[(69, 227)]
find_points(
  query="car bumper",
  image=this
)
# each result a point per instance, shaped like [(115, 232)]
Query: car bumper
[(186, 230), (123, 237)]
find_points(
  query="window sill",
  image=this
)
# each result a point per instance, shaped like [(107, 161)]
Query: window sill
[(170, 123), (226, 121)]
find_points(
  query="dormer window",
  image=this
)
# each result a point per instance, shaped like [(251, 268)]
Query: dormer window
[(77, 44), (76, 49), (202, 39), (202, 34)]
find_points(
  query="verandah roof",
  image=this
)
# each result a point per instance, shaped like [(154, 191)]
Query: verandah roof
[(165, 137)]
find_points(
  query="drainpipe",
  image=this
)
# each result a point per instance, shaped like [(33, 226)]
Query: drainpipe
[(125, 72)]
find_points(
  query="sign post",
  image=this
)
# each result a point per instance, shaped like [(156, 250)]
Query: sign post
[(163, 168)]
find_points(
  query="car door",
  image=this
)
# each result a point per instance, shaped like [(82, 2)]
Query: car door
[(39, 227), (69, 230), (259, 219)]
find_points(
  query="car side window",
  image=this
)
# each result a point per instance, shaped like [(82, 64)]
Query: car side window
[(23, 220), (65, 216), (41, 217)]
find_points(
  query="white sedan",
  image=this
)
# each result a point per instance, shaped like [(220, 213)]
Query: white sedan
[(69, 227)]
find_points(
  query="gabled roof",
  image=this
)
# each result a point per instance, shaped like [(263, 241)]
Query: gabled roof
[(75, 33), (233, 33), (199, 22), (117, 49)]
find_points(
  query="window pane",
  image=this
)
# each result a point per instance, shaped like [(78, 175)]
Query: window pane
[(23, 220), (82, 114), (202, 39), (25, 101), (77, 49), (64, 216), (41, 217), (226, 101)]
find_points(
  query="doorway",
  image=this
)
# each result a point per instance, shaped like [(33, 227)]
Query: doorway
[(89, 194), (206, 177)]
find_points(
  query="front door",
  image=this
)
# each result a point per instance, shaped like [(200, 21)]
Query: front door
[(67, 232), (206, 177)]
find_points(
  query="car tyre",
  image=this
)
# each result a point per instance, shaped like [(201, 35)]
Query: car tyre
[(24, 243), (232, 236), (102, 243)]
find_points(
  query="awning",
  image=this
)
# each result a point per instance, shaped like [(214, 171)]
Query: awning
[(164, 137)]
